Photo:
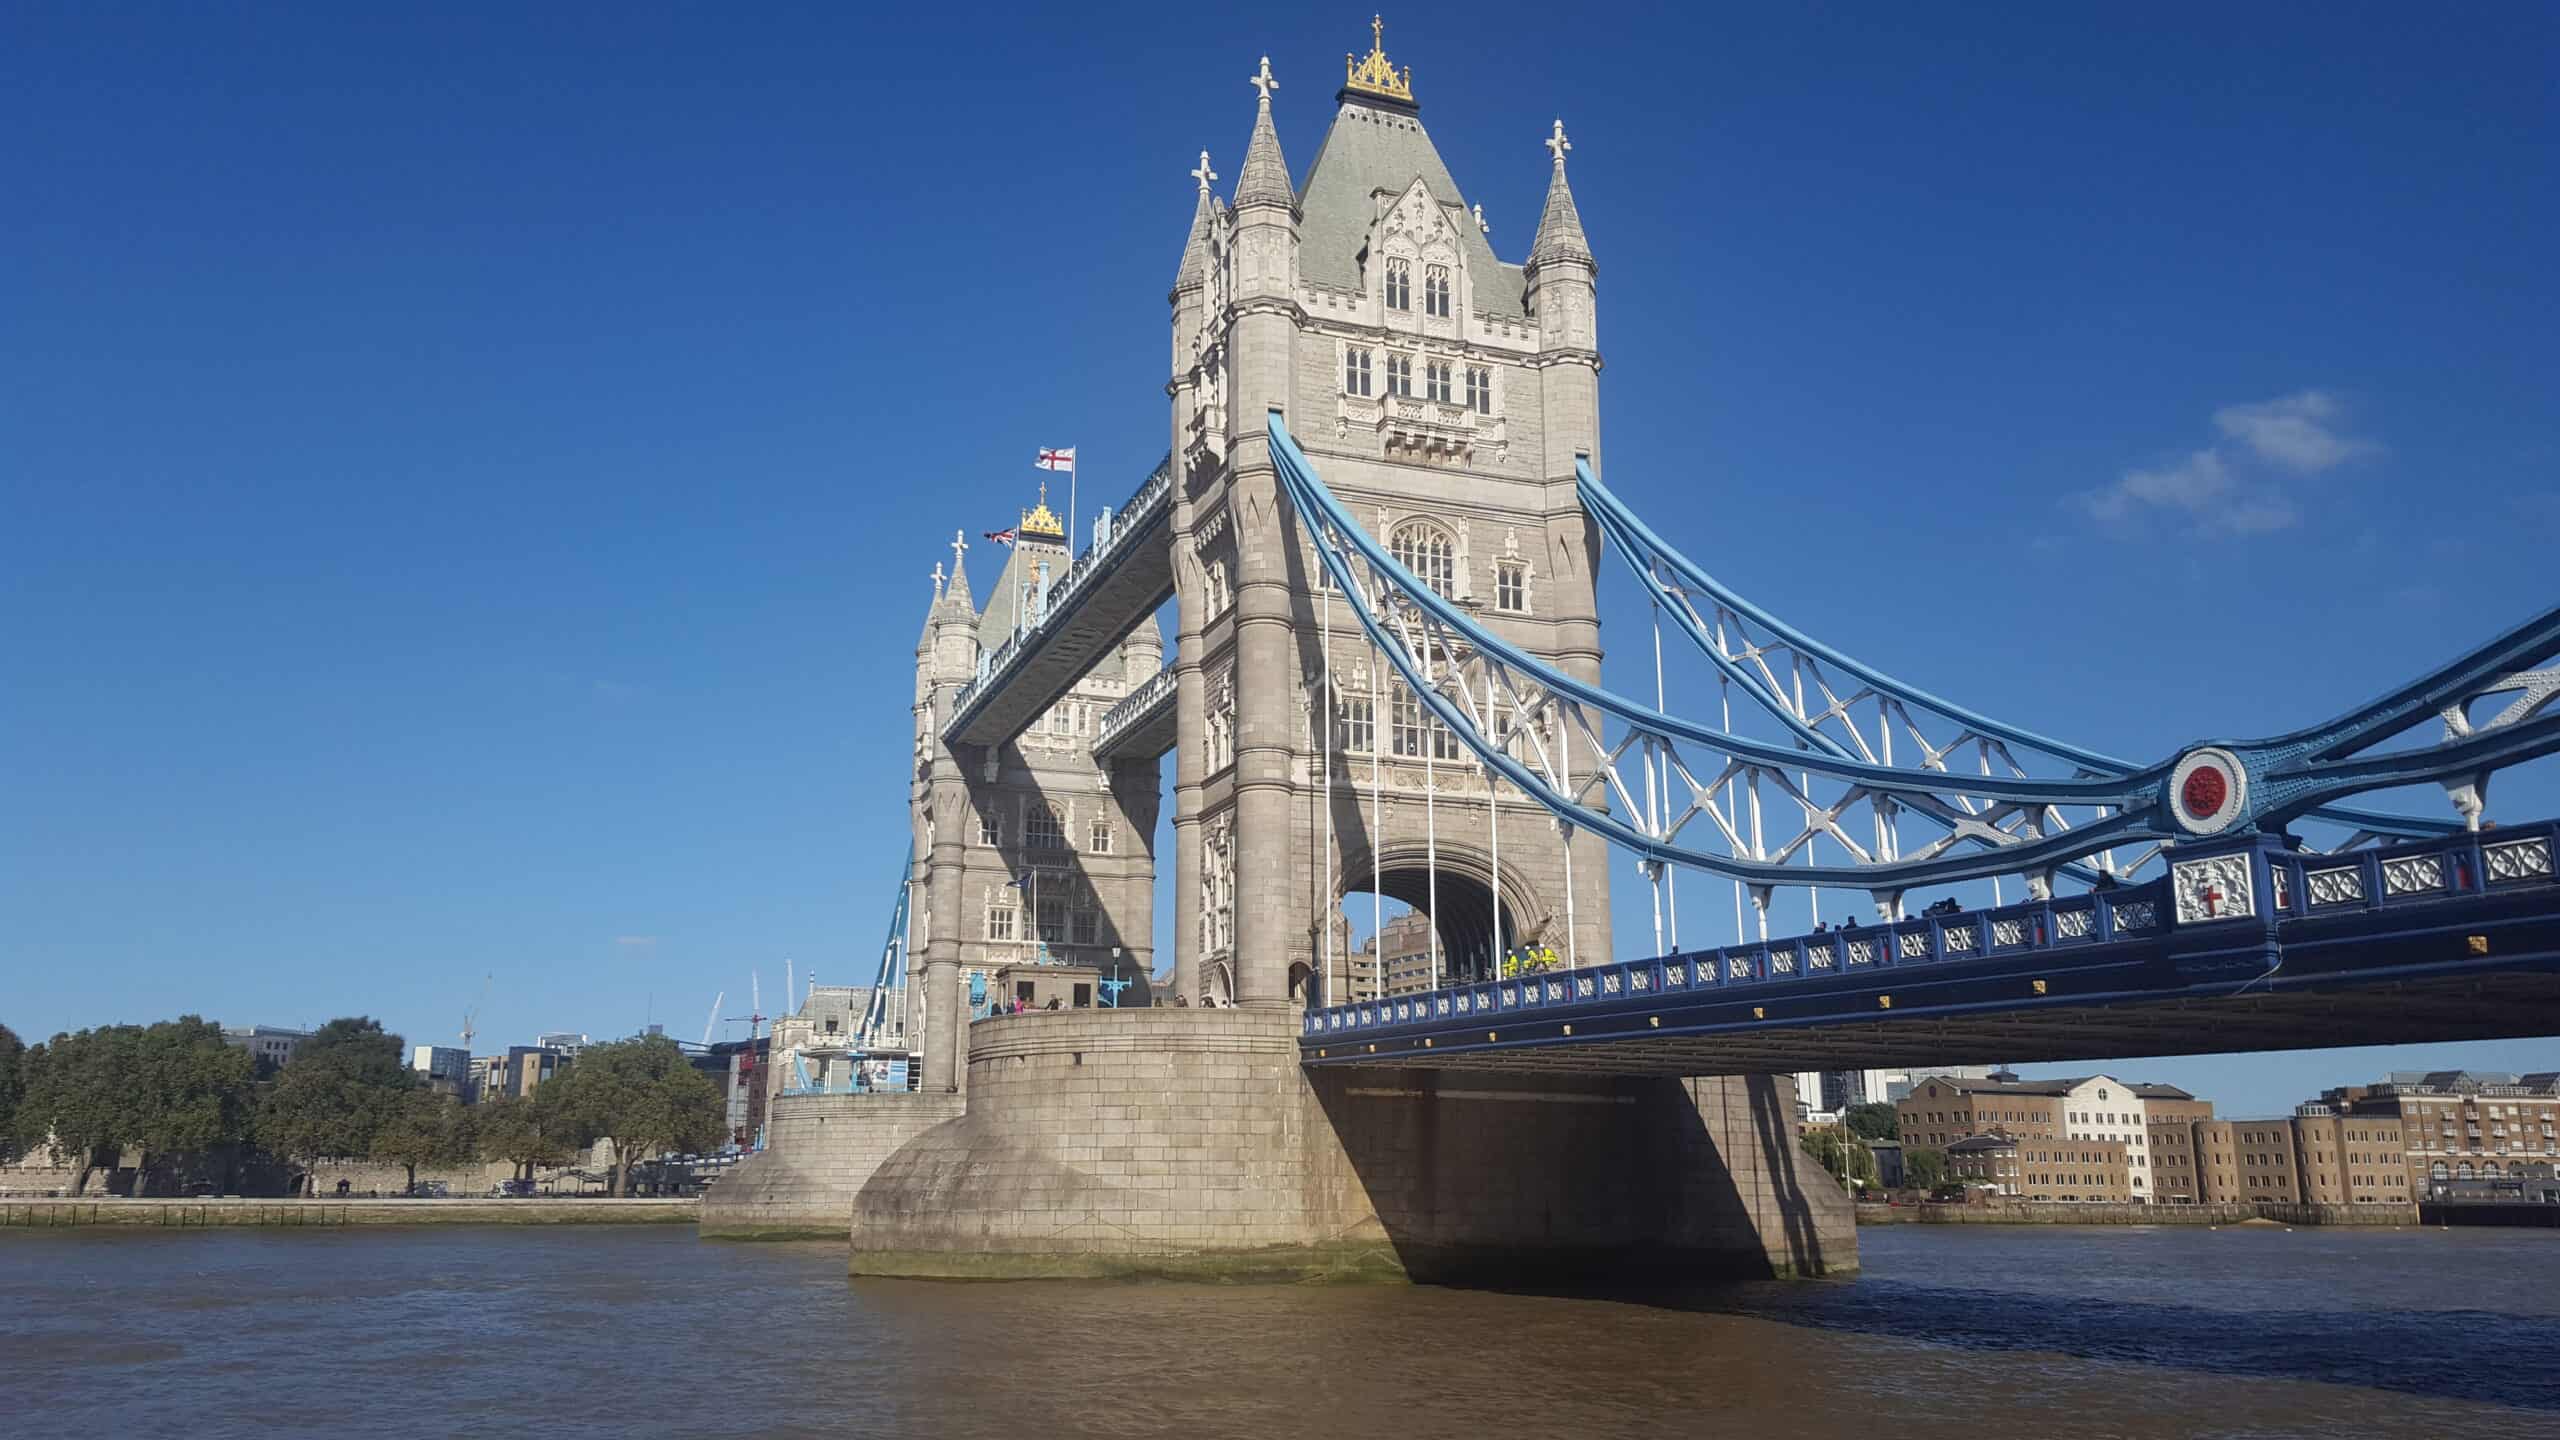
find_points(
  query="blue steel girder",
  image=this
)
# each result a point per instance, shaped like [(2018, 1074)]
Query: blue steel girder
[(1116, 584), (1740, 640), (2448, 938), (1599, 761)]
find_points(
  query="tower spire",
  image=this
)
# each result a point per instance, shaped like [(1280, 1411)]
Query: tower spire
[(1265, 177), (1560, 227), (1195, 249)]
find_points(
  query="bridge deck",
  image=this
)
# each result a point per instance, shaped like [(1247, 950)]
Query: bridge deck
[(2452, 939), (1118, 582)]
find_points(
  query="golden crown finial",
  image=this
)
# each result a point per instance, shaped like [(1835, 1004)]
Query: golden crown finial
[(1042, 521), (1374, 76)]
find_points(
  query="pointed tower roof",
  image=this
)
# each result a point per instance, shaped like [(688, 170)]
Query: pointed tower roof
[(1195, 250), (1560, 234), (1377, 143), (955, 603), (1265, 177)]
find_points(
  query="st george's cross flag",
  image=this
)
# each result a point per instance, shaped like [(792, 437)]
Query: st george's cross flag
[(1057, 459)]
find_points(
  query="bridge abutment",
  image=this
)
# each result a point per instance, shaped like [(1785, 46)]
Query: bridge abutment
[(1189, 1142)]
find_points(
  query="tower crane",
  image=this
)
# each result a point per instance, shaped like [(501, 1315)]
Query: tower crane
[(714, 1018), (471, 1017)]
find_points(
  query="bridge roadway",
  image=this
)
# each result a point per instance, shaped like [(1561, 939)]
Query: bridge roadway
[(1120, 580), (2456, 938)]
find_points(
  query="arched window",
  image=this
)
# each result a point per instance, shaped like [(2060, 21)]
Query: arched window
[(1435, 291), (1399, 285), (1427, 551)]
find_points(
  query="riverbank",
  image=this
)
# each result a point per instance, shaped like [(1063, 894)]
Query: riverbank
[(194, 1214), (2031, 1212)]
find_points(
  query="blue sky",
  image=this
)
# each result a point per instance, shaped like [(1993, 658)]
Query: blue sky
[(468, 480)]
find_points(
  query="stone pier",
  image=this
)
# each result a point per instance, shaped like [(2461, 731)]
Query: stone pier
[(1188, 1142), (819, 1149)]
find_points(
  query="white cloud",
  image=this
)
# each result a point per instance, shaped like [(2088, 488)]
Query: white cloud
[(2199, 489), (2299, 432), (2213, 491)]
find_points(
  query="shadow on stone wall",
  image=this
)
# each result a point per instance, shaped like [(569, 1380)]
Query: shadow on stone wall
[(1582, 1183)]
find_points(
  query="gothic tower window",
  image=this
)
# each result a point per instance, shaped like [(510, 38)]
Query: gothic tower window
[(1000, 915), (1399, 285), (1480, 389), (1425, 550), (1099, 838), (1082, 928), (1358, 723), (990, 826), (1400, 375), (1355, 372), (1053, 921), (1435, 291), (1415, 728), (1510, 586), (1435, 379), (1041, 829), (1214, 581)]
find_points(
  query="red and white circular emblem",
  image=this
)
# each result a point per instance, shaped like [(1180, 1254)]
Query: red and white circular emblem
[(2208, 791)]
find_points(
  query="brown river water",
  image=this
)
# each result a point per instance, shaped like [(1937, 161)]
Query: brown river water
[(1972, 1332)]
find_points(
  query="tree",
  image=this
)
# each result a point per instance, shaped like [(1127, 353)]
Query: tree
[(335, 1094), (1924, 1169), (13, 1057), (1873, 1121), (425, 1129), (184, 1091), (1844, 1156), (73, 1098), (644, 1096), (523, 1132)]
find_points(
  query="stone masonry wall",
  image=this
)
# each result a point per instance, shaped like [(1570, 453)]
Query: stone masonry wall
[(1190, 1142), (2227, 1212), (819, 1149)]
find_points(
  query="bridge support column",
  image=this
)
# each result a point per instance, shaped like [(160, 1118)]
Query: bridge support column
[(1081, 1153)]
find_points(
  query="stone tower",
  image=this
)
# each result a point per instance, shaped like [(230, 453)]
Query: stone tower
[(1443, 394), (1033, 848)]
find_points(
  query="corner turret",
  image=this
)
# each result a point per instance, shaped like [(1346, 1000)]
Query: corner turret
[(1562, 275)]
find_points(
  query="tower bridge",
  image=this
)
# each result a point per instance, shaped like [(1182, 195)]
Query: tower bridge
[(1381, 523)]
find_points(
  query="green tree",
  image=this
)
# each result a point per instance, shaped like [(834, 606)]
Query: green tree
[(13, 1059), (184, 1092), (644, 1096), (425, 1129), (1924, 1169), (73, 1098), (335, 1095), (1845, 1157), (1873, 1121), (523, 1132)]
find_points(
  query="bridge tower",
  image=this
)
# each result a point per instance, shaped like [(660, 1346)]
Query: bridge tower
[(1035, 848), (1446, 394)]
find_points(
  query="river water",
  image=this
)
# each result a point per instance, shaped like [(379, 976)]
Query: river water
[(1972, 1332)]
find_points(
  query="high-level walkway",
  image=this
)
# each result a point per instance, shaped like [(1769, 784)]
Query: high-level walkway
[(2267, 948), (1119, 581)]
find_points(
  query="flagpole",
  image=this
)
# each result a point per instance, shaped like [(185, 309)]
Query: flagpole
[(1071, 513)]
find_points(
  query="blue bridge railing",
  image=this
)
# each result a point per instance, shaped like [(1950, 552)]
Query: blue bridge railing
[(2300, 886)]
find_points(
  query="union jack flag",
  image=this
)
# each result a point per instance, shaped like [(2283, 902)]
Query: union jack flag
[(1001, 537)]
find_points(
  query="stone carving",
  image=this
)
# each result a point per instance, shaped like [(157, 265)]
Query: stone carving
[(2214, 888)]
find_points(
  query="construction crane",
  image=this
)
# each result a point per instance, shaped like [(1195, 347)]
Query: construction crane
[(755, 1017), (714, 1017), (471, 1017)]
